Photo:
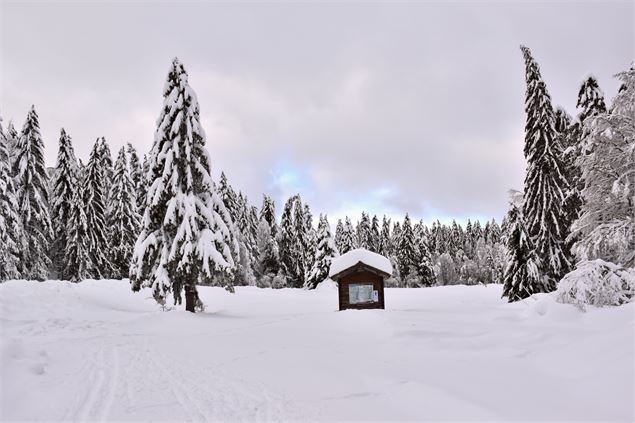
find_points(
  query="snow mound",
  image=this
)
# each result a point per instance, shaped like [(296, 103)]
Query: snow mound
[(327, 285), (598, 283), (360, 255)]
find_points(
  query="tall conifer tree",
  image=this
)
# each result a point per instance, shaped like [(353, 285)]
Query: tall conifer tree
[(31, 183), (95, 199), (606, 226), (268, 213), (324, 254), (364, 236), (64, 186), (384, 245), (407, 250), (590, 99), (286, 242), (300, 244), (186, 236), (521, 278), (11, 235), (12, 137), (77, 256), (136, 176), (349, 240), (124, 219), (545, 182)]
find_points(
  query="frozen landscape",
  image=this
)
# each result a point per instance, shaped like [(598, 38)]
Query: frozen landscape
[(317, 211), (95, 351)]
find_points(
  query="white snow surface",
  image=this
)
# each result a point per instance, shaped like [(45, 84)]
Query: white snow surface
[(96, 351), (357, 255)]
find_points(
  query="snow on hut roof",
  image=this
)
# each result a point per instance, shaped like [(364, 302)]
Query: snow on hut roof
[(360, 255)]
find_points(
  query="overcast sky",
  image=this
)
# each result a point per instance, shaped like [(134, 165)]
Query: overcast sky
[(392, 108)]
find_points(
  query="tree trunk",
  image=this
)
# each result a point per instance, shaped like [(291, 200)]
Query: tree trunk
[(190, 298)]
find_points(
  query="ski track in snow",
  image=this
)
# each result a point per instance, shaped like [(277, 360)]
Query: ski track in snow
[(200, 394)]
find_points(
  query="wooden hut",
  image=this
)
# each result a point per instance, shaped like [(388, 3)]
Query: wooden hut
[(360, 278)]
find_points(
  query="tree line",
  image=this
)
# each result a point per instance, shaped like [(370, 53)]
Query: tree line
[(81, 221), (167, 225), (105, 219)]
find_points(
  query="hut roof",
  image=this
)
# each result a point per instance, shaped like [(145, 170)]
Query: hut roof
[(360, 256)]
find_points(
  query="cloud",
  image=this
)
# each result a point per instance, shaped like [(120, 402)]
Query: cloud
[(387, 108)]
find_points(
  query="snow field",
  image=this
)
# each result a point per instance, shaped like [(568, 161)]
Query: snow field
[(96, 351)]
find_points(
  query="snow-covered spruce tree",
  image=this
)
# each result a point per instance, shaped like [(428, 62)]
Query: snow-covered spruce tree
[(408, 254), (435, 240), (425, 268), (136, 176), (456, 239), (64, 185), (396, 236), (268, 213), (246, 236), (286, 240), (568, 135), (143, 189), (349, 239), (11, 236), (590, 99), (545, 182), (364, 236), (522, 277), (374, 234), (31, 184), (300, 244), (384, 246), (590, 103), (606, 227), (310, 241), (339, 232), (77, 264), (267, 259), (252, 223), (469, 243), (95, 199), (12, 137), (478, 230), (106, 162), (185, 234), (107, 169), (124, 220), (325, 253), (228, 196), (244, 261)]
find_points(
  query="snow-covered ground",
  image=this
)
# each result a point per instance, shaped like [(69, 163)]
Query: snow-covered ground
[(96, 351)]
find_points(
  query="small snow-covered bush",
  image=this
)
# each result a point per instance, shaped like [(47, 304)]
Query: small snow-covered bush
[(279, 281), (598, 283), (265, 281)]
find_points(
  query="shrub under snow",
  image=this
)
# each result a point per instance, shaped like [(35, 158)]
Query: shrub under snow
[(598, 283)]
